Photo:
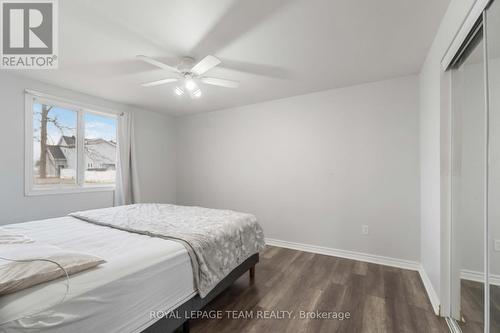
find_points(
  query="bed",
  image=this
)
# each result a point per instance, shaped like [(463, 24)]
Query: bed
[(141, 274)]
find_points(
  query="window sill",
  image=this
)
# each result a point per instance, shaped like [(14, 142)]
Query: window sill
[(37, 191)]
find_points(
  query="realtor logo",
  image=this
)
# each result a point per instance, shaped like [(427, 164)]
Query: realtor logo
[(29, 34)]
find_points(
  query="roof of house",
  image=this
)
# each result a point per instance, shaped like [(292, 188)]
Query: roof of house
[(70, 140), (92, 149), (56, 152), (98, 141)]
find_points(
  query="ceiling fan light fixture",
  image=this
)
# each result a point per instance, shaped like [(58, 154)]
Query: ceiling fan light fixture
[(197, 93), (190, 84), (178, 91), (189, 77)]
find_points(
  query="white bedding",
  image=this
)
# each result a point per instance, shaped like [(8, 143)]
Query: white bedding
[(141, 274)]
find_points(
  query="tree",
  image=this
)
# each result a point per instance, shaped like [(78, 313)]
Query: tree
[(45, 120), (43, 140)]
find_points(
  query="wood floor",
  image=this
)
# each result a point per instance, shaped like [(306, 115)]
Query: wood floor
[(472, 298), (378, 298)]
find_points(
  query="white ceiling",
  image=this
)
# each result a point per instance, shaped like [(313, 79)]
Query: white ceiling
[(275, 48)]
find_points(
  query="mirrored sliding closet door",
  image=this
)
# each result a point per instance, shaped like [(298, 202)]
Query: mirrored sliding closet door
[(475, 181), (493, 232), (468, 185)]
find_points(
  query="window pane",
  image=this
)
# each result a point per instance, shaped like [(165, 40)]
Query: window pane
[(54, 138), (100, 149)]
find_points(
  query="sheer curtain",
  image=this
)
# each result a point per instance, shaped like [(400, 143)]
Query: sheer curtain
[(127, 185)]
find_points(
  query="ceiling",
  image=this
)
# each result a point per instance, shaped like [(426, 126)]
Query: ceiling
[(275, 48)]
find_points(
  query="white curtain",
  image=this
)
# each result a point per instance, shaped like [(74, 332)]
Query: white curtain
[(127, 185)]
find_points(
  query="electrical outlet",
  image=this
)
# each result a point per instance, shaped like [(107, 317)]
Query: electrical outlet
[(497, 245), (364, 229)]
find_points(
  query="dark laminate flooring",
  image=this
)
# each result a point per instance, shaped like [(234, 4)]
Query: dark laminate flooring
[(378, 298), (472, 307)]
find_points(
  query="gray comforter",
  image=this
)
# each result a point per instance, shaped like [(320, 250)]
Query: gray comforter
[(217, 240)]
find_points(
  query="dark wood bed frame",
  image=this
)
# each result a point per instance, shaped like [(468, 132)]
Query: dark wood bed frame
[(196, 303)]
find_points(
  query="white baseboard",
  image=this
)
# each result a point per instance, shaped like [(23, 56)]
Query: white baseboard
[(466, 274), (372, 258), (431, 293)]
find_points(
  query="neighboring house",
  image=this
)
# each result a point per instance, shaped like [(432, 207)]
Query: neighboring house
[(56, 160), (100, 155)]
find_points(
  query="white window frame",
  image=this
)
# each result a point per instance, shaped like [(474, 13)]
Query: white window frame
[(81, 109)]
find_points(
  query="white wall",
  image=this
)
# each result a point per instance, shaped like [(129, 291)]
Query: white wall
[(155, 150), (313, 168), (430, 141)]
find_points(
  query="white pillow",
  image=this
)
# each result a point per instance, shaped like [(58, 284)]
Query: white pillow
[(24, 273)]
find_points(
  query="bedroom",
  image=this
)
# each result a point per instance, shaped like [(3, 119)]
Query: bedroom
[(253, 166)]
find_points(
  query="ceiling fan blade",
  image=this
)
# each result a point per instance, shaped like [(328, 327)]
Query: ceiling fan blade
[(220, 82), (159, 82), (205, 65), (157, 63)]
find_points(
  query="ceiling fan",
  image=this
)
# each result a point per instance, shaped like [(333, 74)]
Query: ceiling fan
[(189, 75)]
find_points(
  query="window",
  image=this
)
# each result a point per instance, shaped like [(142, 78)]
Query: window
[(53, 153), (69, 148), (100, 149)]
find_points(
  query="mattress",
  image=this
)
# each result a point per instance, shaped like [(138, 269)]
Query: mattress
[(141, 274)]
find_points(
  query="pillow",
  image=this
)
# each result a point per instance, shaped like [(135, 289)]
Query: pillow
[(18, 275)]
